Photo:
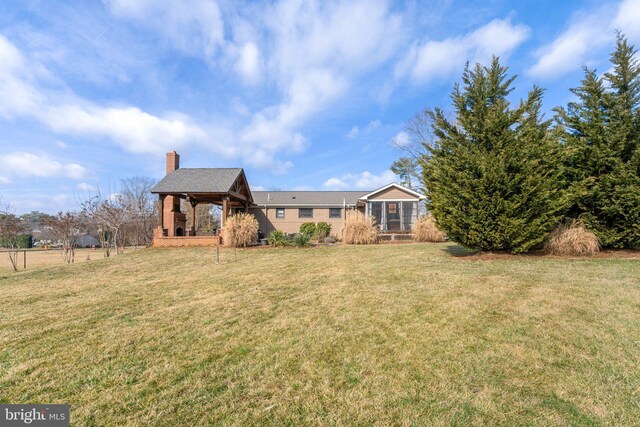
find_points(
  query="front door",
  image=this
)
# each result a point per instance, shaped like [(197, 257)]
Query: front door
[(393, 216)]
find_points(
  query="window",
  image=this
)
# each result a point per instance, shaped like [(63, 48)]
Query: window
[(335, 213), (305, 213), (279, 212)]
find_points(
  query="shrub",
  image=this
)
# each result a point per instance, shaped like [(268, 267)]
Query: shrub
[(571, 238), (425, 230), (492, 175), (308, 228), (360, 230), (21, 241), (301, 240), (240, 230), (278, 239), (323, 229)]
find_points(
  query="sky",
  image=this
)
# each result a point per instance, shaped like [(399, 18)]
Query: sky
[(304, 95)]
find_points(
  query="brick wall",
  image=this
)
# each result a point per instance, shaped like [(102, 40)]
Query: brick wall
[(163, 242)]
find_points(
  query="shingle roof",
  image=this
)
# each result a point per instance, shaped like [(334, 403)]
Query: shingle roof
[(205, 180), (307, 198)]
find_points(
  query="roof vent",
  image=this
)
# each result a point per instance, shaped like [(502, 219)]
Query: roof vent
[(293, 197)]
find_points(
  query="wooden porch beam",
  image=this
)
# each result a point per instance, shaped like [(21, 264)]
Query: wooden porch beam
[(238, 196)]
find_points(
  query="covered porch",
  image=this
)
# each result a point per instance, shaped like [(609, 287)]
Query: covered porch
[(226, 188), (393, 207)]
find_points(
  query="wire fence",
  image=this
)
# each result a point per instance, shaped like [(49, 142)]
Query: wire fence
[(41, 257)]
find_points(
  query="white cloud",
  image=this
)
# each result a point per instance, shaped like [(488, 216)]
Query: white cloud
[(38, 200), (353, 133), (367, 130), (374, 124), (318, 48), (362, 181), (196, 27), (401, 139), (628, 18), (431, 59), (249, 64), (568, 51), (310, 54), (134, 130), (587, 34), (86, 187), (18, 94), (20, 163)]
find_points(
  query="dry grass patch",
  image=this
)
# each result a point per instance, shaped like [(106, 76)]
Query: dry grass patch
[(360, 230), (334, 335), (240, 230), (426, 230), (571, 238)]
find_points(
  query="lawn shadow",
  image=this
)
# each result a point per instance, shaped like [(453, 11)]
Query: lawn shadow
[(459, 251)]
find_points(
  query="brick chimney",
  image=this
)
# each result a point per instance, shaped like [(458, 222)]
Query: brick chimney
[(173, 161)]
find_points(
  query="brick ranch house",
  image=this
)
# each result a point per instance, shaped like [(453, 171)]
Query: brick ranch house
[(395, 208)]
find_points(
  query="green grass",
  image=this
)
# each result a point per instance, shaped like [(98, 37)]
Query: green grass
[(387, 334)]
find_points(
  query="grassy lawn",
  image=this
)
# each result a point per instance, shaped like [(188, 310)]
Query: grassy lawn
[(387, 334)]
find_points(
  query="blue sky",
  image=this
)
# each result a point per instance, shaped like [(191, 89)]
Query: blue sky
[(303, 95)]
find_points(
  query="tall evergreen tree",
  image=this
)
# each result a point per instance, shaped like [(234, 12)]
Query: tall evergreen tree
[(600, 132), (492, 176), (406, 168)]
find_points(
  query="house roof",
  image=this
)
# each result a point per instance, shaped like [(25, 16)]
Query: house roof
[(398, 186), (195, 180), (307, 198)]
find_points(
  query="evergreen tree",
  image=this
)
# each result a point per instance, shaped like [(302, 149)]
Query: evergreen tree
[(600, 132), (406, 168), (492, 177)]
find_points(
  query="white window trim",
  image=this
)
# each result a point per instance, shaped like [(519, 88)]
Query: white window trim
[(398, 186)]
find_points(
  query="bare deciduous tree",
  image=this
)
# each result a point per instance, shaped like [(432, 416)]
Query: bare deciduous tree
[(10, 228), (65, 228), (136, 197), (417, 135), (106, 217)]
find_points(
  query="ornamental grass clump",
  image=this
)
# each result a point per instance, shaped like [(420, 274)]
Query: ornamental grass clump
[(426, 230), (278, 239), (240, 230), (571, 238), (360, 230)]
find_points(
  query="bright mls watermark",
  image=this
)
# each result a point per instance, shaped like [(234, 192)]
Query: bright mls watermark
[(34, 415)]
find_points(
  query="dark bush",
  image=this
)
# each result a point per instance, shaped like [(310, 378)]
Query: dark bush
[(21, 241)]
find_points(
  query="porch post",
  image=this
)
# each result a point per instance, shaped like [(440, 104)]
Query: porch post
[(383, 217), (161, 211), (225, 210), (193, 202), (246, 207)]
